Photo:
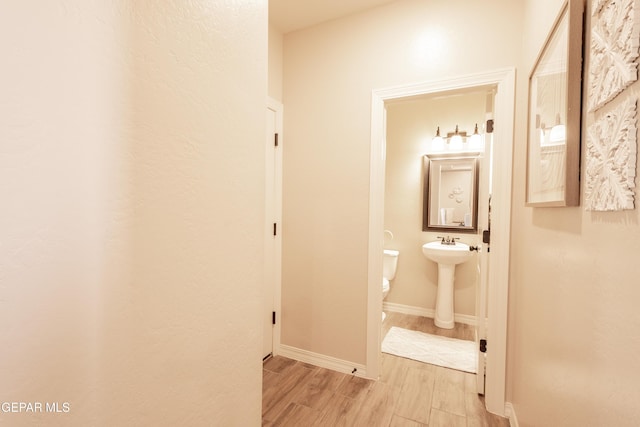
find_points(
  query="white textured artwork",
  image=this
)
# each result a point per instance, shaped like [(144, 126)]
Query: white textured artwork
[(597, 5), (611, 160), (615, 42)]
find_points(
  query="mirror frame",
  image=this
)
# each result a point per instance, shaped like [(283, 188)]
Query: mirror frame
[(570, 19), (427, 179)]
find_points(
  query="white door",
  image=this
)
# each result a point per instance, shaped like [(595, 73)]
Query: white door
[(272, 238), (483, 266), (481, 310)]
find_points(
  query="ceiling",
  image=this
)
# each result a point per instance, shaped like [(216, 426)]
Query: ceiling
[(291, 15)]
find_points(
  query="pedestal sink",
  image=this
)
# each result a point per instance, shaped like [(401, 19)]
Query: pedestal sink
[(447, 256)]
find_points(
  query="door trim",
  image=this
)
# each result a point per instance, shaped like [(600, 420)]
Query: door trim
[(504, 80)]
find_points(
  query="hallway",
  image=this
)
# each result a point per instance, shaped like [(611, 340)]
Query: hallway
[(409, 393)]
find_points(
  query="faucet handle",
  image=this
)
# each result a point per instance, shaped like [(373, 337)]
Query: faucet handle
[(453, 240), (443, 241)]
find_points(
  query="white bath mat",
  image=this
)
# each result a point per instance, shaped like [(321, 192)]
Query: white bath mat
[(442, 351)]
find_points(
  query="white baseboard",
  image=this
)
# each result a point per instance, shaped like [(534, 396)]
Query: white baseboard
[(323, 361), (510, 413), (426, 312)]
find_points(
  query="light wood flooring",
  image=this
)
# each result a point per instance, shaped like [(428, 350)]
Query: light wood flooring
[(409, 393)]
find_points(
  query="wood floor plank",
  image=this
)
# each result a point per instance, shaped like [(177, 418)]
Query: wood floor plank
[(470, 382), (295, 415), (416, 394), (426, 325), (355, 387), (398, 421), (477, 415), (277, 398), (319, 389), (445, 419), (329, 380), (393, 371), (269, 379), (448, 392), (378, 406), (313, 397), (341, 411), (278, 364), (475, 410)]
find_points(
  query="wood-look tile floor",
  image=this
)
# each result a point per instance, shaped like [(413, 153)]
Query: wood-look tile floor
[(408, 393)]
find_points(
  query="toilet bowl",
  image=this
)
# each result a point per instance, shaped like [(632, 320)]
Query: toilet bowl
[(385, 287), (389, 266)]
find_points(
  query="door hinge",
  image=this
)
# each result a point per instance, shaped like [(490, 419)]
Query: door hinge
[(275, 231), (273, 318), (489, 128), (275, 139), (483, 346)]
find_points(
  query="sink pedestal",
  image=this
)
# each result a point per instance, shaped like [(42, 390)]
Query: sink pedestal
[(444, 297), (447, 257)]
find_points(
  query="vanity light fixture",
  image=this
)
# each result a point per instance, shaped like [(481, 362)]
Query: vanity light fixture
[(437, 143), (457, 141)]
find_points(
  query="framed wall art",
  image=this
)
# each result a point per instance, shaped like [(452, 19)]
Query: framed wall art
[(555, 98), (613, 59)]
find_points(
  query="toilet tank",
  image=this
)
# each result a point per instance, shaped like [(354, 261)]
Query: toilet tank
[(389, 264)]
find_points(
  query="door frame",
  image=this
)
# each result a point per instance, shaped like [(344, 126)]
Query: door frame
[(504, 81)]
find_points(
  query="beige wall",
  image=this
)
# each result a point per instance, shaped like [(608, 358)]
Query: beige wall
[(275, 63), (132, 211), (329, 73), (411, 124), (573, 309)]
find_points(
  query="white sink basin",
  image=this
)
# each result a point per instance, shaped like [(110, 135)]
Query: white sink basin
[(447, 254)]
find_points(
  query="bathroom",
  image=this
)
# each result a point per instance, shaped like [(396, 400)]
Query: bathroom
[(411, 126)]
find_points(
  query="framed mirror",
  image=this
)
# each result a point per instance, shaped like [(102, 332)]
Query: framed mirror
[(450, 193), (555, 91)]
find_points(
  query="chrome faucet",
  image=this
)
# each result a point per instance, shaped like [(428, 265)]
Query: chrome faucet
[(448, 240)]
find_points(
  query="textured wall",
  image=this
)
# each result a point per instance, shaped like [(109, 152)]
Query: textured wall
[(131, 165), (329, 73), (573, 309)]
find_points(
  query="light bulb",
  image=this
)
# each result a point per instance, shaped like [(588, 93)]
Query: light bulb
[(455, 140), (558, 133), (455, 143), (437, 143), (475, 140)]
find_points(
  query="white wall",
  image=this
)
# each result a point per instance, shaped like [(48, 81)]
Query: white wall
[(411, 124), (131, 142), (329, 73), (573, 309)]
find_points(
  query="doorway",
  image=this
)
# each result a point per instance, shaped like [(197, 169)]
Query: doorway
[(504, 82), (414, 215)]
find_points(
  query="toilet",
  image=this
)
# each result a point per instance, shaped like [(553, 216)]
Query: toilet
[(389, 265)]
